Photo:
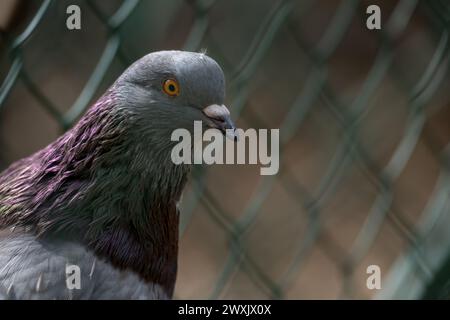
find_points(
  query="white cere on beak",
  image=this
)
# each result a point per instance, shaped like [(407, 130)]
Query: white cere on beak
[(216, 111)]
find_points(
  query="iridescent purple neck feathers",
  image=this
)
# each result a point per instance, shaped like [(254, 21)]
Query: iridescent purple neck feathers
[(97, 185)]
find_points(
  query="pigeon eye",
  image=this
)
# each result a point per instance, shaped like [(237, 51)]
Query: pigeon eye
[(171, 87)]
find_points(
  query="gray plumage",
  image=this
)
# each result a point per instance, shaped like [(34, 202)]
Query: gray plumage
[(105, 195)]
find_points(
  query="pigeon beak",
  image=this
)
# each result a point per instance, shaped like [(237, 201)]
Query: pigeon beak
[(219, 117)]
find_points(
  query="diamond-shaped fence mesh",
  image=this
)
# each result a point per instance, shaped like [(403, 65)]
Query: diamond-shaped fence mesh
[(364, 119)]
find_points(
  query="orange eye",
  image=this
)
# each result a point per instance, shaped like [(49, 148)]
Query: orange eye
[(171, 87)]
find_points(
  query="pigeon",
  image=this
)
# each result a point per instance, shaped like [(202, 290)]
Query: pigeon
[(95, 214)]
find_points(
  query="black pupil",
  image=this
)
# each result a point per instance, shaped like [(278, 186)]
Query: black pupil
[(171, 87)]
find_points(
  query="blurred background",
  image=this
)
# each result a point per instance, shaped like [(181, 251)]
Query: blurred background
[(364, 119)]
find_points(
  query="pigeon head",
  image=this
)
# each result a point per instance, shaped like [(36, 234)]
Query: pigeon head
[(167, 90), (109, 183)]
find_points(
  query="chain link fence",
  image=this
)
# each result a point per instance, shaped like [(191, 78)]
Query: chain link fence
[(364, 126)]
